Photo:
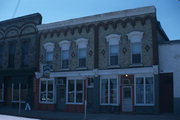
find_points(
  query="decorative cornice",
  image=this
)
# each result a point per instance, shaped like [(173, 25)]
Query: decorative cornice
[(104, 24)]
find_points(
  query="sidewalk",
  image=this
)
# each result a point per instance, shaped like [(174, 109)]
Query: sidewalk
[(56, 115)]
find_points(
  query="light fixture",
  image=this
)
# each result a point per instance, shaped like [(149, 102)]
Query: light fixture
[(126, 75)]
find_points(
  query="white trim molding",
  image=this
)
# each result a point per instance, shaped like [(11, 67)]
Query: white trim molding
[(64, 44), (87, 73), (113, 39), (82, 42), (135, 36), (49, 47)]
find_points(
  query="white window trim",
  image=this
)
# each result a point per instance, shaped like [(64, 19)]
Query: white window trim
[(113, 39), (144, 104), (135, 37), (67, 81), (82, 43), (139, 64), (15, 101), (54, 92), (110, 57), (85, 57), (2, 100), (62, 60), (118, 90)]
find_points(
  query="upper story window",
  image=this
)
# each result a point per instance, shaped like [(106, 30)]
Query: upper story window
[(82, 52), (113, 40), (136, 52), (25, 53), (49, 47), (64, 45), (1, 56), (12, 48)]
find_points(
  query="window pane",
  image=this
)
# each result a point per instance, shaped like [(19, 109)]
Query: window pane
[(113, 91), (65, 54), (49, 56), (82, 62), (15, 92), (43, 97), (43, 86), (136, 53), (1, 91), (79, 91), (104, 91), (24, 92), (149, 90), (71, 91), (50, 85), (82, 52), (12, 48), (65, 63), (24, 57), (1, 55), (139, 90), (136, 58), (113, 54), (50, 97), (136, 48)]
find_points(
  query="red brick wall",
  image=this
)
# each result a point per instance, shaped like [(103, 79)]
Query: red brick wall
[(74, 108)]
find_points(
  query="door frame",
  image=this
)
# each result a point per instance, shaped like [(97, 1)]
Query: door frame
[(131, 87)]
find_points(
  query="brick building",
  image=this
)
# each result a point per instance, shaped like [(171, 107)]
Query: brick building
[(19, 51), (110, 60)]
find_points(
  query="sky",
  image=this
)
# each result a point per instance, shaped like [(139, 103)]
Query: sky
[(168, 11)]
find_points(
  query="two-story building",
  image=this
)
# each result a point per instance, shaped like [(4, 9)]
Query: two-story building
[(19, 54), (109, 60)]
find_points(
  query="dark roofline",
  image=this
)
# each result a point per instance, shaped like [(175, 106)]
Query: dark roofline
[(19, 19), (171, 42), (161, 31)]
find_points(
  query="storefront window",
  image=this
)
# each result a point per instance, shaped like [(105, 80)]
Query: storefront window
[(1, 91), (109, 91), (47, 90), (75, 91), (19, 92), (144, 90)]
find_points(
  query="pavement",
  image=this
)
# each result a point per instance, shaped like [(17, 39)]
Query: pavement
[(56, 115)]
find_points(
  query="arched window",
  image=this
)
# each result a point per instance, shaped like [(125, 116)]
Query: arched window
[(136, 51), (113, 40)]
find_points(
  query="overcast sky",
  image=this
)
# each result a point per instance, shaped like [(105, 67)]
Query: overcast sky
[(168, 11)]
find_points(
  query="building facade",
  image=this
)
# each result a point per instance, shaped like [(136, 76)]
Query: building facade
[(19, 51), (169, 73), (109, 60)]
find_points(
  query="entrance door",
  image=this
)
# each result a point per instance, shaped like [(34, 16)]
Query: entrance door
[(127, 99), (166, 92)]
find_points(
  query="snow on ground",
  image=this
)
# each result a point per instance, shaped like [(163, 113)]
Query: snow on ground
[(8, 117)]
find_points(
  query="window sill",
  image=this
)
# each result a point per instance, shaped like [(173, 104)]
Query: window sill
[(144, 105), (136, 65), (74, 103), (47, 102), (113, 66), (83, 68), (109, 104), (17, 101), (64, 69)]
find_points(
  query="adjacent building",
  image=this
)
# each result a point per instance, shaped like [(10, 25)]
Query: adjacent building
[(169, 61), (109, 60), (19, 54)]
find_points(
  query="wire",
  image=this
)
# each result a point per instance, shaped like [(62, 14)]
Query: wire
[(16, 8)]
